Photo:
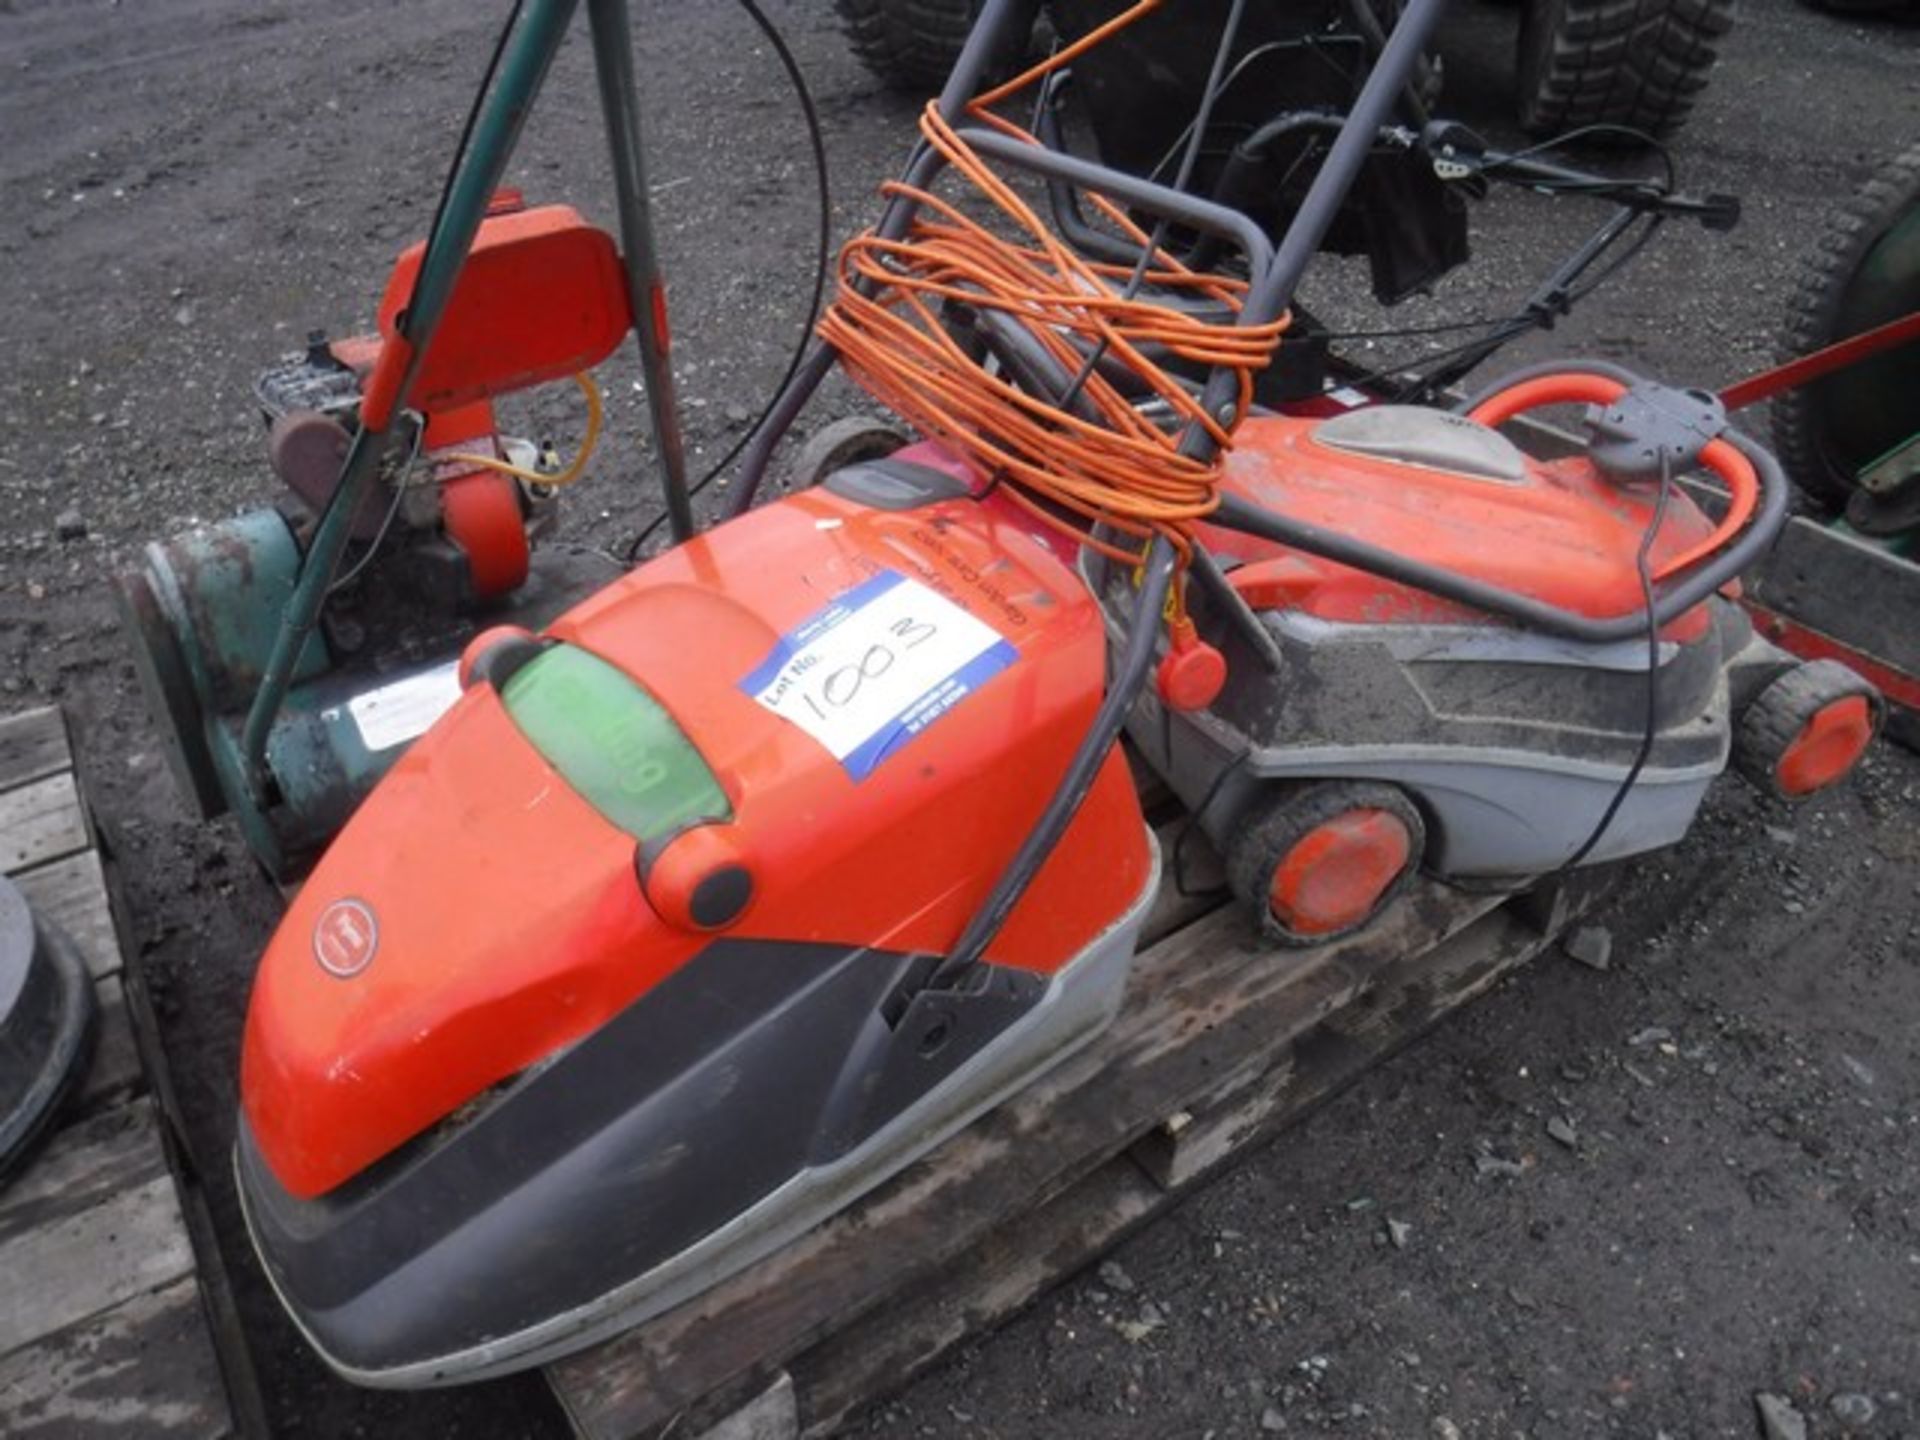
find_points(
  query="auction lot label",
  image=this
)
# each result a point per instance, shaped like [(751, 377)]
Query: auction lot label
[(876, 666)]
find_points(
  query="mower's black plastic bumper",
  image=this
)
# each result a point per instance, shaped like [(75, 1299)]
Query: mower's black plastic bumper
[(567, 1201)]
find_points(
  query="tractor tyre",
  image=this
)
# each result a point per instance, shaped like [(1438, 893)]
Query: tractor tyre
[(909, 45), (1318, 861), (1807, 729), (1633, 63), (1863, 272)]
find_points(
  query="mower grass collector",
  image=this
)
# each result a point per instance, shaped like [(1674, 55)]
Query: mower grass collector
[(715, 901)]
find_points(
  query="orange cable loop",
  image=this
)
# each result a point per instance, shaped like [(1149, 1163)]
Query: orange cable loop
[(1118, 472)]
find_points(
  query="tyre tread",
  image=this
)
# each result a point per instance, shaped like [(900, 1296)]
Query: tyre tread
[(1640, 63), (1274, 822), (909, 45), (1777, 714), (1813, 316)]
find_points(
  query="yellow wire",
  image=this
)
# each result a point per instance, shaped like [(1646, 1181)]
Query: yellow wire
[(595, 415)]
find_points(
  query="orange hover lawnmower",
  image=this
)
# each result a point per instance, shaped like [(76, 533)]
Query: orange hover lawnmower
[(713, 902)]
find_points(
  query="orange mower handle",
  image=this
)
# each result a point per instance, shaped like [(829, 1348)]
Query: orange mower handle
[(1575, 387)]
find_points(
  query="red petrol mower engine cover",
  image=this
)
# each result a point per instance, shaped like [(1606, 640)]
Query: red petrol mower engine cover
[(479, 914), (1557, 531)]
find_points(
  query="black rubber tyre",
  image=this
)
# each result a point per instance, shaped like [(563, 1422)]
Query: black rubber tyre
[(841, 443), (1775, 717), (1821, 444), (1639, 63), (909, 45), (1276, 823)]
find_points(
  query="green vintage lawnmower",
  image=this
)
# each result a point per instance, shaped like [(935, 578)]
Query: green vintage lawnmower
[(1637, 64), (1851, 441), (1844, 581)]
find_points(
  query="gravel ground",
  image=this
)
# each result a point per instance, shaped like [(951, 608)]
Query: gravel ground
[(1632, 1198)]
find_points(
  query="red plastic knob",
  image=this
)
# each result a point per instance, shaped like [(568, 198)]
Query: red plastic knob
[(1191, 672), (700, 881)]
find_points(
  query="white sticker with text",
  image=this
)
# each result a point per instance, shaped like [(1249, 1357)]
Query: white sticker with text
[(877, 666)]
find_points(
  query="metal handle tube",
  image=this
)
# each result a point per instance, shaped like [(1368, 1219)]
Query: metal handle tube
[(925, 164), (1067, 219), (1246, 162), (1672, 599), (613, 65), (1445, 140), (1368, 24), (1550, 299), (1201, 214), (1273, 288), (1273, 292), (531, 52), (996, 20)]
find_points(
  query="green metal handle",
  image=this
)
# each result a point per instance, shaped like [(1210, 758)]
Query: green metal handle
[(530, 53)]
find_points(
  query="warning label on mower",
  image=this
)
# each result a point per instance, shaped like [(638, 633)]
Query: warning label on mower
[(876, 667), (403, 711)]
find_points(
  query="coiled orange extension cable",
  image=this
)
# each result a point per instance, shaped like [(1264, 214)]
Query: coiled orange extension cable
[(1121, 473)]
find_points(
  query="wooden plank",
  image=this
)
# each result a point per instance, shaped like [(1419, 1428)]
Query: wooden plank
[(72, 893), (1205, 1006), (114, 1072), (997, 1278), (1188, 1145), (102, 1329), (82, 1166), (1405, 1001), (41, 821), (770, 1415), (1552, 905), (1844, 585), (1034, 1250), (66, 1270), (32, 745), (143, 1368), (244, 1403)]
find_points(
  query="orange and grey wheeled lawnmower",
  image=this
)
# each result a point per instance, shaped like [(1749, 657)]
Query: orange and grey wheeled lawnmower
[(1493, 667), (745, 881)]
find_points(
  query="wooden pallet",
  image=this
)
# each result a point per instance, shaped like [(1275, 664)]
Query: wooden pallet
[(1220, 1043), (106, 1316)]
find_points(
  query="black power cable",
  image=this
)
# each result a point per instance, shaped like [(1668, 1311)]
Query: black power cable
[(1643, 564), (1443, 367), (1584, 132), (1650, 728), (823, 249), (465, 141), (1649, 734), (1217, 80), (460, 149), (1178, 862)]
